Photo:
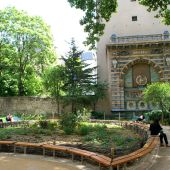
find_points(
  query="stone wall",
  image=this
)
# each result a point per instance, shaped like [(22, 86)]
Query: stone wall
[(27, 105)]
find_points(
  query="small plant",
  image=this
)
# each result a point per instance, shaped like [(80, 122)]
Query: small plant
[(52, 125), (97, 115), (68, 122), (154, 114), (68, 130), (43, 124), (84, 115), (83, 130)]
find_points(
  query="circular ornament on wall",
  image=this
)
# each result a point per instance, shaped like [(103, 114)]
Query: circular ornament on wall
[(142, 105), (141, 80), (131, 105)]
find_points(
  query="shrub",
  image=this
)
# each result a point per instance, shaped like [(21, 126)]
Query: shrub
[(99, 127), (68, 121), (30, 116), (83, 130), (97, 115), (84, 115), (52, 125), (68, 130), (43, 124), (154, 115)]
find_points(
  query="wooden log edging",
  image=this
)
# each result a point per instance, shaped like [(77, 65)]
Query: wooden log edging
[(102, 160)]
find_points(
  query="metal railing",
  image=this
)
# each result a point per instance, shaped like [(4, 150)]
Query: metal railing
[(137, 38)]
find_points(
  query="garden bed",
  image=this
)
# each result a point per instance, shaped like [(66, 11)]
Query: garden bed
[(96, 138)]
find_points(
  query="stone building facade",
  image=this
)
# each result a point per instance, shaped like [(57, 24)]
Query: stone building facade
[(133, 52)]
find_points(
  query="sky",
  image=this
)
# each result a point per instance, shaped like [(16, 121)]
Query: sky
[(63, 20)]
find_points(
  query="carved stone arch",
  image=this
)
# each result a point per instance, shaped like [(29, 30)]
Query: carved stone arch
[(156, 67)]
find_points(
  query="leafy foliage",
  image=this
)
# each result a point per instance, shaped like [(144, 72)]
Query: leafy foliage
[(159, 95), (26, 50), (106, 137), (79, 79), (95, 11), (99, 90), (30, 116), (154, 115), (161, 6), (97, 115), (98, 12), (68, 122), (53, 82)]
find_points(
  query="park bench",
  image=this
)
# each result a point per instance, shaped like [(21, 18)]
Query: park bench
[(25, 145), (123, 160), (54, 148), (7, 143), (102, 160)]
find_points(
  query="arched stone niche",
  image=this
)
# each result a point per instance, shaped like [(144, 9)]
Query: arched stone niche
[(135, 76), (138, 61)]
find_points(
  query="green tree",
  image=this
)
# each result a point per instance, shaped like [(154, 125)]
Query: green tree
[(97, 12), (53, 81), (160, 6), (159, 95), (99, 90), (78, 79), (26, 46)]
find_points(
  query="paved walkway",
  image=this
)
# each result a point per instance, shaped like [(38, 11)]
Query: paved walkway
[(162, 160), (11, 161), (158, 159)]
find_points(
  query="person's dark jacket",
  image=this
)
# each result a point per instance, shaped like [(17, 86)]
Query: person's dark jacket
[(155, 128)]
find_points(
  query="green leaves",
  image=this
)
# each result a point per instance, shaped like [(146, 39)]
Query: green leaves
[(25, 42), (77, 79), (96, 11), (160, 6), (158, 94)]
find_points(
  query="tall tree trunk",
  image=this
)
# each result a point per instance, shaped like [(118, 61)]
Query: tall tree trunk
[(58, 106), (20, 81), (20, 87)]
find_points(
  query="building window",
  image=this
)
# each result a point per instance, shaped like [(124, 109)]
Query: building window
[(134, 18)]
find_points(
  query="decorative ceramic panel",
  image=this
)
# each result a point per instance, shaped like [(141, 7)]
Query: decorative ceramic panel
[(128, 78), (154, 75), (142, 105), (131, 105), (141, 74)]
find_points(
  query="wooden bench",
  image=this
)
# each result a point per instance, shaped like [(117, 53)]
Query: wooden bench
[(100, 159), (8, 143), (123, 160), (25, 145), (82, 153), (54, 148)]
